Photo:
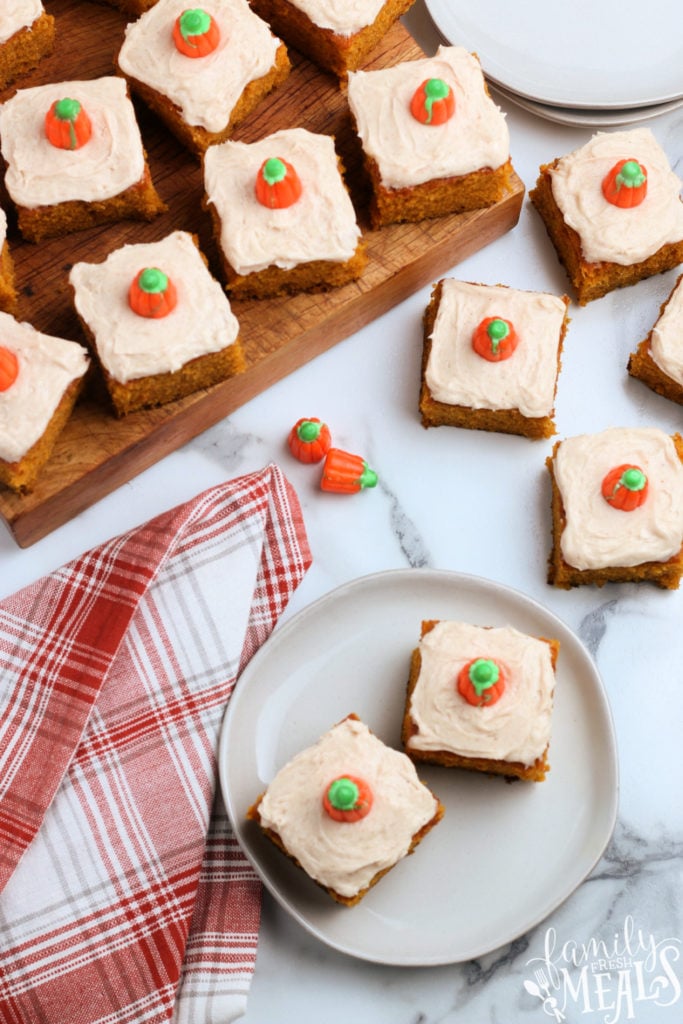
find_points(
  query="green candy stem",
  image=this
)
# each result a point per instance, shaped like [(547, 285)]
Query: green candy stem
[(368, 477), (67, 109), (195, 22), (633, 479), (483, 674), (497, 331), (630, 175), (153, 280), (435, 89), (309, 431), (343, 794), (274, 171)]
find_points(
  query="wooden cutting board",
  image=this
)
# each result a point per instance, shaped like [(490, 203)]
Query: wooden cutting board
[(98, 453)]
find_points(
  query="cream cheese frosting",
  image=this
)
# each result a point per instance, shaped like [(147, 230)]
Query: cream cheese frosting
[(456, 375), (321, 225), (18, 14), (131, 346), (346, 856), (410, 153), (596, 535), (40, 174), (607, 232), (47, 366), (344, 17), (205, 89), (516, 728), (666, 339)]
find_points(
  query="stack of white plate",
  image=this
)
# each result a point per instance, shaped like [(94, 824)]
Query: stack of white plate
[(587, 62)]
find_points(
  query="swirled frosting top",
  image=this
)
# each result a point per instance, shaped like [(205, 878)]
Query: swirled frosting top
[(40, 174), (608, 232), (408, 152), (204, 89)]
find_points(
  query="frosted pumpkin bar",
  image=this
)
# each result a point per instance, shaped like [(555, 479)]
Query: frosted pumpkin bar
[(434, 142), (617, 508), (491, 358), (202, 71), (41, 377), (27, 35), (338, 35), (658, 360), (75, 158), (159, 324), (346, 810), (613, 211), (282, 215), (481, 698)]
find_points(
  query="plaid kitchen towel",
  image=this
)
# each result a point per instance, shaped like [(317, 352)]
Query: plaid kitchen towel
[(124, 897)]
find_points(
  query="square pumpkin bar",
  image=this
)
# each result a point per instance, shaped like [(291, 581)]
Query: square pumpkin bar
[(613, 211), (75, 158)]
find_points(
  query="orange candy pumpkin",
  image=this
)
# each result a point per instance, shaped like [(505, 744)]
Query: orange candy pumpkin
[(152, 294), (196, 33), (433, 102), (309, 440), (495, 339), (9, 368), (346, 473), (277, 184), (625, 487), (67, 125), (626, 184), (347, 798), (481, 682)]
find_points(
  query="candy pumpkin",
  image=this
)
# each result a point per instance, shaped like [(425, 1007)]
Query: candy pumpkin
[(626, 184), (196, 33), (481, 682), (67, 125), (9, 368), (347, 798), (152, 293), (433, 102), (625, 487), (346, 473), (309, 440), (277, 184), (495, 339)]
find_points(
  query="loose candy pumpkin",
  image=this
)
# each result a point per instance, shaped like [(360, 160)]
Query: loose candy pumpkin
[(309, 440), (345, 473)]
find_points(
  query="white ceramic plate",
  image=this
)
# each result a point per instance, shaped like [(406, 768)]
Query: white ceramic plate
[(578, 117), (593, 53), (504, 855)]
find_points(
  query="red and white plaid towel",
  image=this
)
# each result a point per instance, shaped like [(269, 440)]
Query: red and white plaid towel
[(124, 897)]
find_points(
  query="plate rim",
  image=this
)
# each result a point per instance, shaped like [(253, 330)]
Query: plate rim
[(280, 635), (566, 101)]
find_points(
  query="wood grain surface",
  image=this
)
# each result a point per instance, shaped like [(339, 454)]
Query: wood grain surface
[(98, 453)]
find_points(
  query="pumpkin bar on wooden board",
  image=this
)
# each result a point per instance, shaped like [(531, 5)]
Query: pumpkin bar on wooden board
[(41, 378), (27, 35), (74, 157), (434, 142), (491, 358), (159, 324), (613, 211), (202, 71), (617, 508), (658, 360), (8, 292), (481, 698), (337, 35), (283, 218), (346, 810)]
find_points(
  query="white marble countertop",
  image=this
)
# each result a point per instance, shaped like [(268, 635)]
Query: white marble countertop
[(477, 503)]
